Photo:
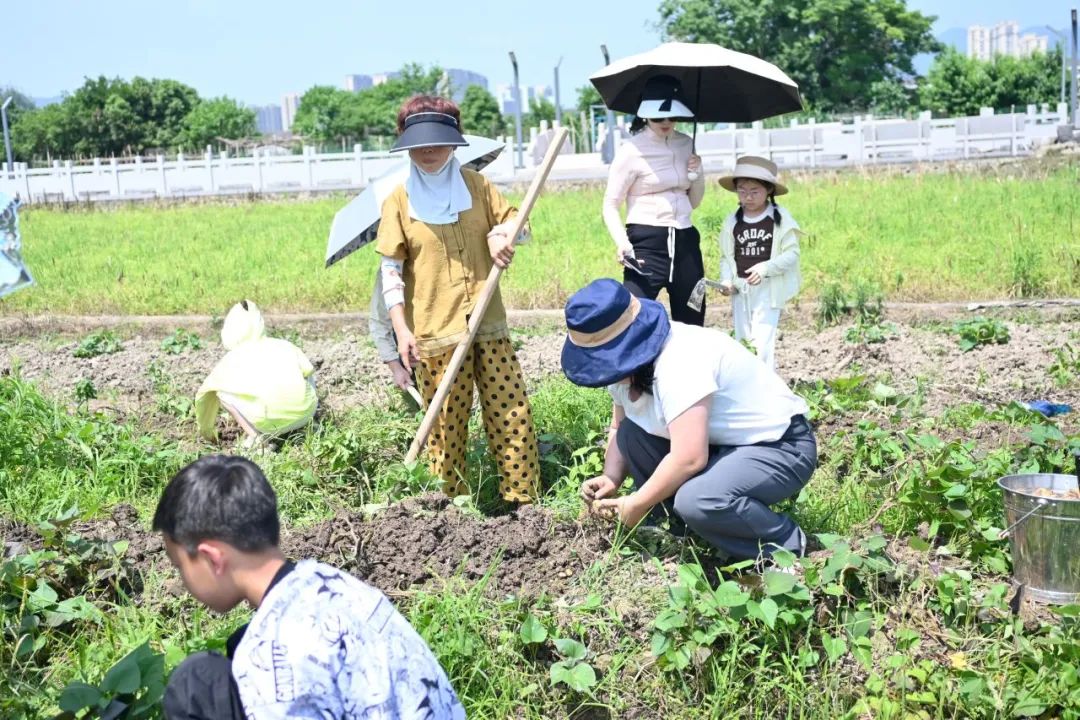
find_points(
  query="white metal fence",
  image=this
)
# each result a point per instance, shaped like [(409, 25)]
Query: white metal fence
[(861, 141)]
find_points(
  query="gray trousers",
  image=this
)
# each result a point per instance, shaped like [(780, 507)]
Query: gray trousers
[(727, 503)]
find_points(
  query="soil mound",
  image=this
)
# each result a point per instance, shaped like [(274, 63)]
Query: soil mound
[(428, 539)]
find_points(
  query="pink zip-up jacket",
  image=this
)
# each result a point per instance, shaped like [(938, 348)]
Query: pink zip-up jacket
[(649, 174)]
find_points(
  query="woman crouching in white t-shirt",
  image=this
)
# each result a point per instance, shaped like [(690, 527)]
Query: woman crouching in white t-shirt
[(696, 418)]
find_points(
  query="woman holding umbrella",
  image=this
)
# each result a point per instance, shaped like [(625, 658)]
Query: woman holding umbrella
[(657, 175), (439, 235)]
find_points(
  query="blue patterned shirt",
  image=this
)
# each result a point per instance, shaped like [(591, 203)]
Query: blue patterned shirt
[(325, 645)]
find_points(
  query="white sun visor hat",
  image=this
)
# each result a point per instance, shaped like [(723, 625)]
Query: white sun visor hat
[(660, 109)]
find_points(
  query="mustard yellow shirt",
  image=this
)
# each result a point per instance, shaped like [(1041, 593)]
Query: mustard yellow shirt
[(445, 266)]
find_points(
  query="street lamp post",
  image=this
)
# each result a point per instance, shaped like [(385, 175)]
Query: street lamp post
[(558, 106), (1061, 38), (1072, 85), (607, 152), (7, 135), (517, 112)]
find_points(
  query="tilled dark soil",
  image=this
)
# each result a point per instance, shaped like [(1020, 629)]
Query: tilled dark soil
[(420, 542)]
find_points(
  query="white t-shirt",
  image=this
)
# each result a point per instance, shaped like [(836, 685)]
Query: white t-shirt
[(749, 402)]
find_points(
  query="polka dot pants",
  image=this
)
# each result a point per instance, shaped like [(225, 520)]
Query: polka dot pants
[(492, 366)]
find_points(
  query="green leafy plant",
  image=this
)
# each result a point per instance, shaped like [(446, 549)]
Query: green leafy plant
[(84, 390), (838, 396), (572, 671), (870, 333), (130, 690), (100, 342), (287, 333), (532, 631), (864, 302), (1028, 278), (979, 331), (169, 400), (181, 341), (1066, 366)]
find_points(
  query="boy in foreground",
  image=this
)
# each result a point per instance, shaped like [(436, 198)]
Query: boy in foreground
[(321, 644)]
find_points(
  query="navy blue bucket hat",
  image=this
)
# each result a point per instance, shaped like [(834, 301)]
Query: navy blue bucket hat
[(427, 129), (610, 333)]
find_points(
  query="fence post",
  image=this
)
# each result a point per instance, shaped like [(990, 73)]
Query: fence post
[(309, 166), (209, 158), (257, 162), (115, 170), (71, 178), (858, 132), (163, 184), (813, 142), (358, 159), (97, 167), (26, 180), (873, 138)]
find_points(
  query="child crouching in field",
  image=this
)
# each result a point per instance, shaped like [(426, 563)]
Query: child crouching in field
[(321, 644), (759, 254)]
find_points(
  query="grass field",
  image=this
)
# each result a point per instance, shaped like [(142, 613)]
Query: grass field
[(959, 235)]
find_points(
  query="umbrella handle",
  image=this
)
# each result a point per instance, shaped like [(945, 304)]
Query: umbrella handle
[(692, 176)]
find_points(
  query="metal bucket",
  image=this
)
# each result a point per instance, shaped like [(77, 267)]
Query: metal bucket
[(1044, 531)]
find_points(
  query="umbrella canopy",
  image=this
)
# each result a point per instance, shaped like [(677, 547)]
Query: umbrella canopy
[(357, 224), (719, 85), (13, 273)]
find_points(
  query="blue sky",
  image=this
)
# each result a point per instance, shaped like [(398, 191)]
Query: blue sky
[(257, 50)]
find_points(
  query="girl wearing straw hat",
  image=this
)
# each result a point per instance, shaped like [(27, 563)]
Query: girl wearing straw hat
[(657, 175), (698, 423), (439, 235), (759, 254)]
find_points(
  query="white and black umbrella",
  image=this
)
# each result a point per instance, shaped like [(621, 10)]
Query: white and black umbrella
[(13, 273), (720, 85), (357, 224)]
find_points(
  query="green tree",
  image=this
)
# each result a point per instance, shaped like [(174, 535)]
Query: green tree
[(101, 128), (539, 109), (890, 97), (1022, 81), (162, 107), (217, 118), (959, 85), (834, 49), (480, 113), (114, 116), (956, 85), (326, 115), (587, 96), (377, 108), (20, 103), (43, 134)]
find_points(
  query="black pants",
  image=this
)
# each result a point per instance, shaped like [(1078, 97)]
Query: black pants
[(651, 245), (202, 688)]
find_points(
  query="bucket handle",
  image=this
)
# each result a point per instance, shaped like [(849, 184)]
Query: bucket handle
[(1039, 505)]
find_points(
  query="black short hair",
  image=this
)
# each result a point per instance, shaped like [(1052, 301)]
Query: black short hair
[(219, 497)]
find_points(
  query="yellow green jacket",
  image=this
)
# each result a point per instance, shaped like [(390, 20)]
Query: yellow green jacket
[(268, 376)]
